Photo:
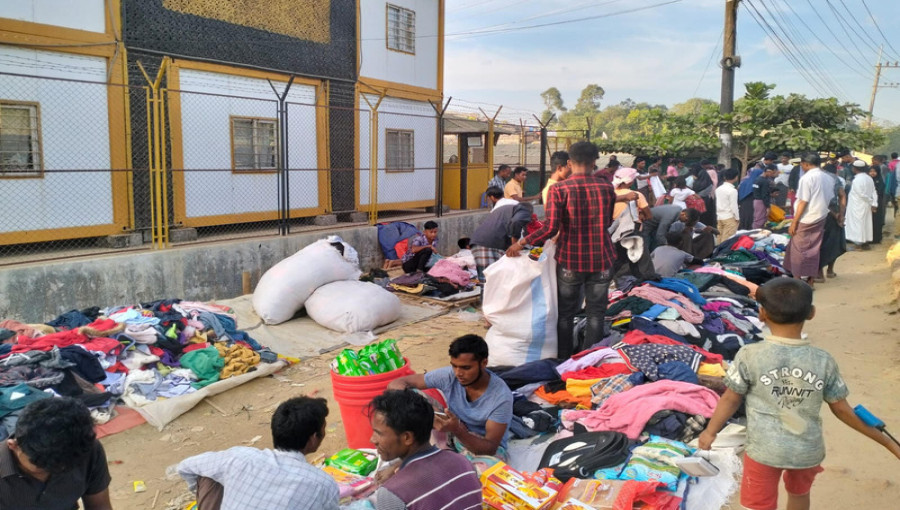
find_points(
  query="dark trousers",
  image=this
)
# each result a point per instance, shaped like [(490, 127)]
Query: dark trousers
[(569, 288), (745, 209), (642, 269), (419, 262)]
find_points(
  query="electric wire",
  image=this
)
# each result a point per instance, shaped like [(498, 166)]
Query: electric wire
[(886, 40)]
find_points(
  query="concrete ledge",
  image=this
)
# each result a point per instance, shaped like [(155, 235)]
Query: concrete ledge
[(325, 220), (119, 241), (182, 235), (41, 291), (356, 217)]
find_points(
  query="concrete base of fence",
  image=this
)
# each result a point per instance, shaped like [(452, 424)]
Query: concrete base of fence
[(40, 291), (119, 241), (325, 220), (356, 217), (433, 209), (182, 235)]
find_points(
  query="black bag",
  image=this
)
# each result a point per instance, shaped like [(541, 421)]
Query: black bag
[(581, 455)]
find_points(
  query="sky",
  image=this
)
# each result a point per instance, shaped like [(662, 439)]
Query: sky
[(666, 52)]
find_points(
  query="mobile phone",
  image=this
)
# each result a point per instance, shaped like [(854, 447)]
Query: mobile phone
[(441, 413)]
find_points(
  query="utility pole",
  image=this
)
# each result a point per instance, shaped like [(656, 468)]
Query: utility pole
[(877, 85), (729, 62)]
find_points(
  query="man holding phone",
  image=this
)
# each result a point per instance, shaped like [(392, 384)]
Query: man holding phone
[(479, 404)]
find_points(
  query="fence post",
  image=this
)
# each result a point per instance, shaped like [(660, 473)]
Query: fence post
[(156, 155), (490, 137), (373, 156), (284, 191), (544, 147), (439, 169)]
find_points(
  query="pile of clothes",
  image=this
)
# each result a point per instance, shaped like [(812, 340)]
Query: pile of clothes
[(657, 376), (134, 354)]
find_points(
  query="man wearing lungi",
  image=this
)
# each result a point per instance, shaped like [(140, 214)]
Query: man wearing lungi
[(814, 193)]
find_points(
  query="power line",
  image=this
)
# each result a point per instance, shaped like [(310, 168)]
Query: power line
[(886, 40), (815, 65), (864, 35), (843, 26), (825, 24), (815, 34), (708, 62), (782, 47)]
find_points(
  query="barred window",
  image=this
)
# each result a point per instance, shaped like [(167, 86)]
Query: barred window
[(20, 140), (253, 145), (401, 29), (400, 150)]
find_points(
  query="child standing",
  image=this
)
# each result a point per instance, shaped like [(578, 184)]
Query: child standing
[(784, 381)]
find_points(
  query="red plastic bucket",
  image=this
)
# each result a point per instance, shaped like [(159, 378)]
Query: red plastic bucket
[(353, 395)]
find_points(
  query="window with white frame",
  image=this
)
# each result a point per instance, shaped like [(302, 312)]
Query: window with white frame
[(20, 139), (400, 150), (401, 29), (253, 144)]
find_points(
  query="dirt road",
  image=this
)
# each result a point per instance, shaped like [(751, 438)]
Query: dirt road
[(855, 322)]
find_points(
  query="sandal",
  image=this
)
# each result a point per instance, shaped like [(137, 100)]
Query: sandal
[(832, 275)]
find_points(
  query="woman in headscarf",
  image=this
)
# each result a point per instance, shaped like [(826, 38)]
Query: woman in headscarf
[(745, 198), (834, 244), (704, 187), (875, 172)]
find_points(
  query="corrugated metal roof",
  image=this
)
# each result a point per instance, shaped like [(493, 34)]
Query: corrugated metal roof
[(456, 125)]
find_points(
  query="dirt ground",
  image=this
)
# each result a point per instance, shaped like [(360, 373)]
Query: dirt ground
[(855, 321)]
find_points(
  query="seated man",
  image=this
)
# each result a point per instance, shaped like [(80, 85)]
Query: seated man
[(279, 478), (54, 459), (479, 404), (427, 476), (670, 258), (421, 247)]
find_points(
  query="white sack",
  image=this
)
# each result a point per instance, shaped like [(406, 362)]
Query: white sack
[(352, 306), (520, 303), (284, 288)]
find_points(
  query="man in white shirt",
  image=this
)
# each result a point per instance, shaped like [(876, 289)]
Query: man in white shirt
[(727, 206), (781, 180), (814, 193), (261, 479)]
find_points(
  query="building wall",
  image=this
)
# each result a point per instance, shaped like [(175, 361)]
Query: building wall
[(380, 63), (410, 189), (89, 15), (208, 191), (74, 128), (309, 37)]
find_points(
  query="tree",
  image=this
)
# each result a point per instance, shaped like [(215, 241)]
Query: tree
[(589, 101), (695, 106), (758, 90), (554, 102)]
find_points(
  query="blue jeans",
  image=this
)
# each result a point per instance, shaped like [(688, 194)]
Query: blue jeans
[(570, 287)]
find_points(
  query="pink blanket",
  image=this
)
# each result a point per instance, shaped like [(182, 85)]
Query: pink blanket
[(448, 269), (628, 412)]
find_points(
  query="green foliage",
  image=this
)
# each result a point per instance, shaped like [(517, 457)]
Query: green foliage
[(757, 90), (891, 141)]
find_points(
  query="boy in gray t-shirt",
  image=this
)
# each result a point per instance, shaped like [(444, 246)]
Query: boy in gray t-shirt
[(784, 381)]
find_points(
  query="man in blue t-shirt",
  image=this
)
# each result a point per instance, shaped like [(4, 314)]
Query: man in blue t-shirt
[(479, 404)]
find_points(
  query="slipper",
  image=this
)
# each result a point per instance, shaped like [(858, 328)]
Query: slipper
[(832, 275), (818, 280)]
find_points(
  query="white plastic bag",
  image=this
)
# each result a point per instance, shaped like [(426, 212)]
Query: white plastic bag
[(352, 306), (284, 288), (520, 303)]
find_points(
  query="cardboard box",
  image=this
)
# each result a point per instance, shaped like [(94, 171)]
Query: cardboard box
[(593, 494), (505, 488)]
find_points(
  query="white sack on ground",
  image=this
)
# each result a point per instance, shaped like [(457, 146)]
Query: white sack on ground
[(520, 303), (352, 306), (284, 289)]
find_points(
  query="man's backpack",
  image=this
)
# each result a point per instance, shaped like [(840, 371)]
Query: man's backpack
[(581, 455)]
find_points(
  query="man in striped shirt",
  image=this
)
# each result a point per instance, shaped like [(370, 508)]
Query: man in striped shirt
[(428, 478)]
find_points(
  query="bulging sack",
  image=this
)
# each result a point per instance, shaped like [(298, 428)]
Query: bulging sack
[(352, 306), (520, 303), (284, 289)]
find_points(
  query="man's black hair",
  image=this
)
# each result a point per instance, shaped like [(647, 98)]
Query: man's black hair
[(830, 168), (772, 167), (469, 344), (879, 157), (673, 239), (405, 411), (785, 154), (693, 216), (519, 169), (501, 167), (463, 243), (613, 163), (731, 173), (894, 155), (56, 434), (583, 153), (558, 158), (786, 300), (681, 182), (770, 156), (429, 225), (296, 420), (494, 191), (812, 158)]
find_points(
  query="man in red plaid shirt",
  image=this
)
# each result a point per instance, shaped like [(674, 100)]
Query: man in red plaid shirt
[(580, 209)]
